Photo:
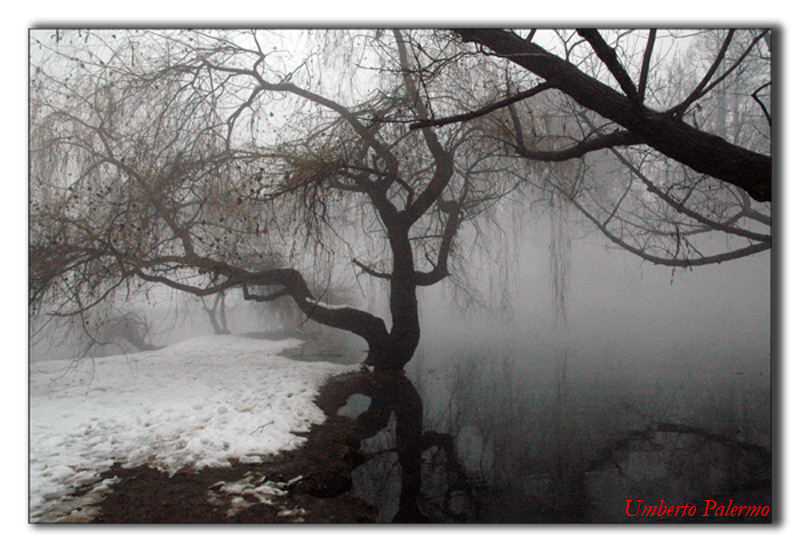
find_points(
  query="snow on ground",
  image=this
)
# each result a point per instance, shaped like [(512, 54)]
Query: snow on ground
[(197, 403), (250, 490)]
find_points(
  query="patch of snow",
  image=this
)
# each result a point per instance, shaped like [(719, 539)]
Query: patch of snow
[(327, 306), (293, 512), (250, 459), (198, 403), (248, 491), (79, 509)]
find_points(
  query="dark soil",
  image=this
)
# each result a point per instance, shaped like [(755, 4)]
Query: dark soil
[(145, 494)]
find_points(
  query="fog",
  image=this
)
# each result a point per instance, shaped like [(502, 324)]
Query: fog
[(527, 395), (625, 318), (550, 303)]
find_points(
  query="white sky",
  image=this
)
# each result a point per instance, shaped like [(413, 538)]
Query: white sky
[(18, 16)]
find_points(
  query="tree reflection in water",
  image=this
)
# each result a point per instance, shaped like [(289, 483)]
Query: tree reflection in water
[(414, 475), (391, 436)]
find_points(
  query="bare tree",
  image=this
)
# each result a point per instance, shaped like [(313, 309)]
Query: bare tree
[(217, 314), (206, 161), (108, 329), (130, 326), (664, 131), (683, 183), (152, 162)]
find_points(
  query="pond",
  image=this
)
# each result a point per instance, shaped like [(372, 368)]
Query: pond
[(468, 447)]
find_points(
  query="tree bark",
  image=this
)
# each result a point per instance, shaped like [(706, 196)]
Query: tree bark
[(703, 152), (405, 334)]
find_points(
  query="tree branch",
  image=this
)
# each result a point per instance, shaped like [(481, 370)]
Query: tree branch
[(605, 141), (681, 208), (648, 53), (371, 271), (703, 152), (698, 91), (483, 110), (194, 290), (439, 272), (262, 298), (754, 95), (667, 261), (443, 160), (609, 58)]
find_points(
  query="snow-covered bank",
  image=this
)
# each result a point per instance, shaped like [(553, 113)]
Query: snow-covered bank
[(197, 403)]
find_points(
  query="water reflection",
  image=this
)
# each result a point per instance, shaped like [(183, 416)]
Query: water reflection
[(469, 474), (391, 434)]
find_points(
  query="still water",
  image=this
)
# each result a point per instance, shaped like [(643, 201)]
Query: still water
[(488, 439)]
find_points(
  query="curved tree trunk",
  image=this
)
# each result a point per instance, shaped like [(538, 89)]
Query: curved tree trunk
[(408, 436), (405, 334), (393, 392)]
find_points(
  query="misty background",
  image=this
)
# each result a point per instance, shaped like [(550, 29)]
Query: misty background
[(568, 373)]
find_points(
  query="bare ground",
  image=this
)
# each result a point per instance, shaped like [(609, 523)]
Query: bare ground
[(315, 476)]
